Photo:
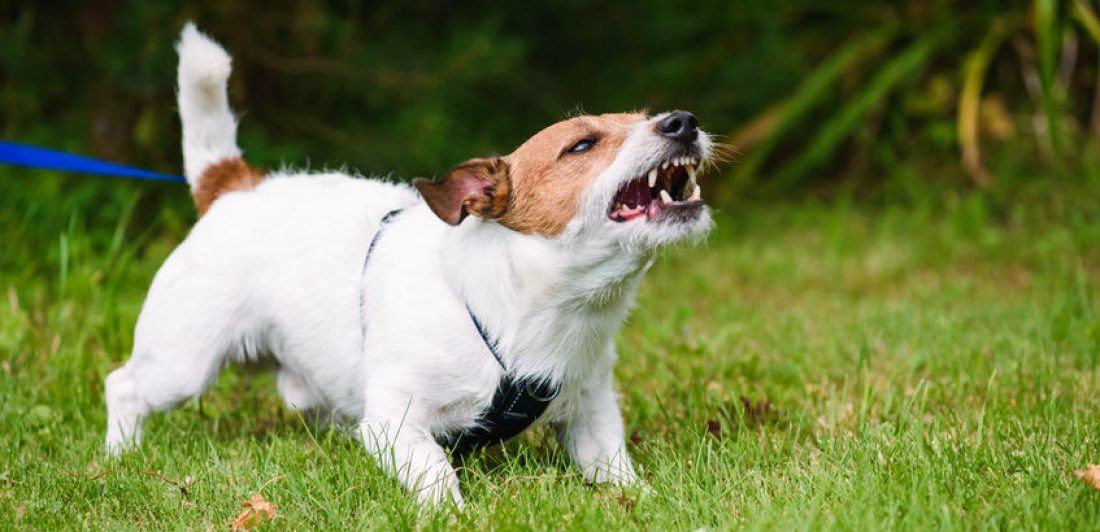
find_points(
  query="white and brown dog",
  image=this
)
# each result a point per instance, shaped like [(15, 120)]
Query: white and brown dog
[(561, 232)]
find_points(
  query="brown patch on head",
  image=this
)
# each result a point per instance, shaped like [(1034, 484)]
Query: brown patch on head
[(480, 187), (536, 189), (221, 177), (547, 180)]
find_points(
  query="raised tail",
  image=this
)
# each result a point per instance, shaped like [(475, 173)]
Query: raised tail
[(211, 159)]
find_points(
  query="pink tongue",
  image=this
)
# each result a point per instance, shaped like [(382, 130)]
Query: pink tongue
[(653, 209), (626, 216), (632, 214)]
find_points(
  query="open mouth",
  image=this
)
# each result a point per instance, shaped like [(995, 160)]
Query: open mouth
[(666, 189)]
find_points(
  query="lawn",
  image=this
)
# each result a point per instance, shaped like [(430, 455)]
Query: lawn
[(918, 363)]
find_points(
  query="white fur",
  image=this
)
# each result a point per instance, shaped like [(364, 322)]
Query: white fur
[(279, 272), (209, 128)]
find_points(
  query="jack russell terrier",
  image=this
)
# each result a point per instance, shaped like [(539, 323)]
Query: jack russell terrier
[(440, 316)]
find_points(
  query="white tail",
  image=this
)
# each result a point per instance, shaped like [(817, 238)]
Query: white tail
[(209, 127)]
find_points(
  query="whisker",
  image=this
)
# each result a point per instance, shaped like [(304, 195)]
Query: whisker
[(720, 153)]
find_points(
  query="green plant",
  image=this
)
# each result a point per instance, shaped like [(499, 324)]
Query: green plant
[(1050, 93)]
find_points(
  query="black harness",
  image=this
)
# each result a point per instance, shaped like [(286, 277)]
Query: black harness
[(516, 404)]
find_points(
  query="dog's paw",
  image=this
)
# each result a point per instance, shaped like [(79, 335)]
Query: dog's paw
[(616, 474), (633, 485), (642, 489), (439, 497), (117, 446)]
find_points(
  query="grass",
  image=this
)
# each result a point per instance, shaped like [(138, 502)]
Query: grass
[(919, 365)]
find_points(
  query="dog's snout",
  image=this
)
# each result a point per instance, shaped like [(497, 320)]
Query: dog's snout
[(679, 125)]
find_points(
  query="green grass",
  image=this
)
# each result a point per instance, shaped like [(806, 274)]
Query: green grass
[(920, 365)]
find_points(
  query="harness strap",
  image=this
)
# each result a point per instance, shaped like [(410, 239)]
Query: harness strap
[(516, 404), (490, 343), (366, 260)]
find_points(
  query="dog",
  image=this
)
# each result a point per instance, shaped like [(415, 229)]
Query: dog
[(405, 310)]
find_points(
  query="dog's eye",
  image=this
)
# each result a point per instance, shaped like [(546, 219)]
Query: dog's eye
[(582, 145)]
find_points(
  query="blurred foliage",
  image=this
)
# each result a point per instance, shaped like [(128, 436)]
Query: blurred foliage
[(809, 92)]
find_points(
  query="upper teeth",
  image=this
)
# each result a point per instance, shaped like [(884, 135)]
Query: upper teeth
[(686, 160)]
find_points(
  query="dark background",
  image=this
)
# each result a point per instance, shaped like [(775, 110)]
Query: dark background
[(878, 100)]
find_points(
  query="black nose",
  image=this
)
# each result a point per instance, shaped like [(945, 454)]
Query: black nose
[(679, 125)]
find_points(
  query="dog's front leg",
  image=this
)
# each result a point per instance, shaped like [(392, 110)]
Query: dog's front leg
[(593, 435), (409, 453)]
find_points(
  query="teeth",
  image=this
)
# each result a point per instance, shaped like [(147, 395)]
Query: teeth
[(653, 178), (680, 161), (691, 174), (697, 194), (665, 197)]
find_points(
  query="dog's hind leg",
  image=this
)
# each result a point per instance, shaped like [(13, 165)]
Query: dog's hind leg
[(180, 346), (125, 411), (294, 392), (300, 398), (152, 382)]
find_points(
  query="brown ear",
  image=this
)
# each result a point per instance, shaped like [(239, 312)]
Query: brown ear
[(480, 187)]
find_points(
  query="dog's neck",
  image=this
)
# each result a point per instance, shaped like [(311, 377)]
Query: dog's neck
[(555, 305)]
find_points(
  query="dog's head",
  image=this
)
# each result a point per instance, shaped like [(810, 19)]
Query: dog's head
[(629, 177)]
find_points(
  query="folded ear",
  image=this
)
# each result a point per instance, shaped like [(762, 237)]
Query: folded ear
[(481, 187)]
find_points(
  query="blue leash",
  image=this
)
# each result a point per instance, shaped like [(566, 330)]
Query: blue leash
[(32, 157)]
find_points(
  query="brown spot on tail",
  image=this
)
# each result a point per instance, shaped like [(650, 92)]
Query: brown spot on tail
[(222, 177)]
